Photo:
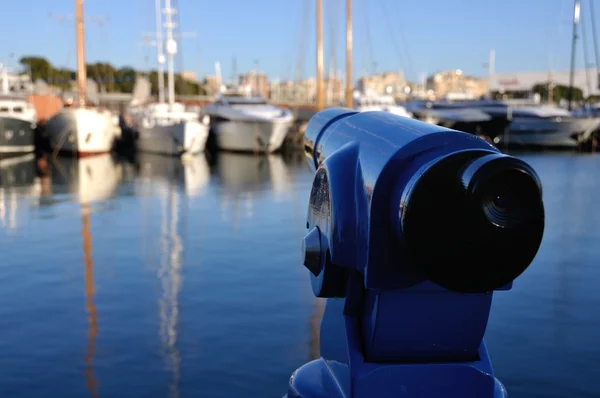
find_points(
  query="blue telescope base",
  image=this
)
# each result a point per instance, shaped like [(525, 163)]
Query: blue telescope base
[(324, 378)]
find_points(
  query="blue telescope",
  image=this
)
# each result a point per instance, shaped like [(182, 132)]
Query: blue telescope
[(411, 228)]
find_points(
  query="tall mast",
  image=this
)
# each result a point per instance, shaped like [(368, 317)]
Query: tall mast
[(576, 12), (595, 38), (320, 102), (171, 48), (81, 72), (349, 53), (491, 67), (160, 57)]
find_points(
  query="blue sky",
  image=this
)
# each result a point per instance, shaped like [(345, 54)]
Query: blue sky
[(417, 37)]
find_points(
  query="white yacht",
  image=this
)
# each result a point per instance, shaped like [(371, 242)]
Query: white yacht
[(247, 123), (169, 129), (547, 126), (17, 126), (79, 129), (166, 127), (365, 102), (17, 121), (519, 123)]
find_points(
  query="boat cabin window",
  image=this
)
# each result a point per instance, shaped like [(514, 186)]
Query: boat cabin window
[(3, 109), (18, 109)]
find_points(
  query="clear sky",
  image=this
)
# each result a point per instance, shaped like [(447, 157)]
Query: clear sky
[(416, 36)]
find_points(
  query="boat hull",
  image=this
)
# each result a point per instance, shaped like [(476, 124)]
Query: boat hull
[(81, 131), (547, 133), (174, 139), (251, 136), (17, 137)]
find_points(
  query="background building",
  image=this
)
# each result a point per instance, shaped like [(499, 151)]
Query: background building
[(523, 82), (258, 82), (455, 84), (390, 83), (188, 75)]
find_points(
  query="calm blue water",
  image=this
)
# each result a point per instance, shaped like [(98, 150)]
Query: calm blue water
[(164, 279)]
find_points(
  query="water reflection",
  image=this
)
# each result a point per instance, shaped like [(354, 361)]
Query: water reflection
[(90, 380), (17, 179), (171, 280), (88, 179), (161, 176), (192, 173), (242, 178)]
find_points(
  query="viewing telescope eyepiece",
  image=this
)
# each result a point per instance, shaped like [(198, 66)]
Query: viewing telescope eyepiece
[(473, 220), (507, 189)]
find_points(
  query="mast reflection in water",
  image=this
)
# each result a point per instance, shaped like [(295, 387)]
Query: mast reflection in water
[(174, 182), (171, 279), (89, 302)]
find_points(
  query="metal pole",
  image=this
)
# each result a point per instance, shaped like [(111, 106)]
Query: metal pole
[(585, 58), (595, 38), (491, 65), (171, 47), (160, 57), (320, 104), (349, 53), (576, 11)]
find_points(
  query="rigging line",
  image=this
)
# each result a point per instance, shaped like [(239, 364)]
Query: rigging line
[(393, 37), (559, 30), (585, 54), (303, 39), (411, 69), (179, 59), (369, 43), (334, 12), (595, 38)]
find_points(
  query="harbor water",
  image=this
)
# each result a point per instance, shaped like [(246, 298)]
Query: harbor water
[(158, 278)]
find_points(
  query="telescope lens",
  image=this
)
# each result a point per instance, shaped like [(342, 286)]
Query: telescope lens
[(474, 220), (507, 199)]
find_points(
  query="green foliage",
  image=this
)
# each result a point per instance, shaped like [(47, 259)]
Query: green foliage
[(108, 78), (559, 92)]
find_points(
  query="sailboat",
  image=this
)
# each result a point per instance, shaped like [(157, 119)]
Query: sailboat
[(168, 128), (81, 130)]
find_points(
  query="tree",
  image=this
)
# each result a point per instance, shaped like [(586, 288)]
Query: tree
[(559, 92), (108, 78)]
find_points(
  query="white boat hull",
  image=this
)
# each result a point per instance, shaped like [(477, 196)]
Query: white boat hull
[(187, 136), (82, 131), (251, 136), (536, 133)]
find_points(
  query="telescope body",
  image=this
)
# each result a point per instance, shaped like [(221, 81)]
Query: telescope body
[(411, 228)]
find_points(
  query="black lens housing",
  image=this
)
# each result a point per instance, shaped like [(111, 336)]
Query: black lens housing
[(474, 220)]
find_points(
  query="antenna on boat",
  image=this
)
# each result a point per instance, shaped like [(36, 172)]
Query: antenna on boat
[(171, 48)]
